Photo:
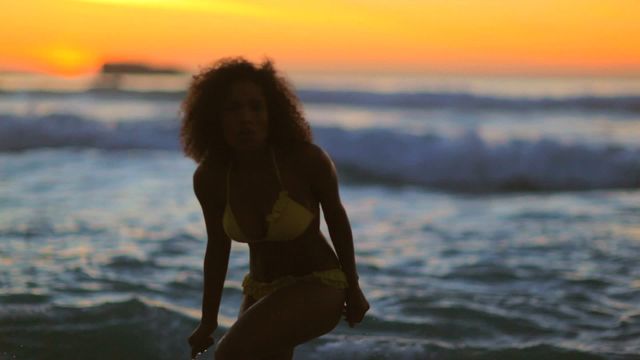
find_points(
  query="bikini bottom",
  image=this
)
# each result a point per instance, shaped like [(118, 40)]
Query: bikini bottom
[(257, 289)]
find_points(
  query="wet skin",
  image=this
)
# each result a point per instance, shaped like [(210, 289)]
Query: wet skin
[(300, 312), (255, 187)]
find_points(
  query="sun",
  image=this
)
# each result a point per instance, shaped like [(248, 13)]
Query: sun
[(67, 60)]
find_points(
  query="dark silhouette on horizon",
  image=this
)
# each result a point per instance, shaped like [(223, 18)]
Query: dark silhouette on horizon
[(137, 68)]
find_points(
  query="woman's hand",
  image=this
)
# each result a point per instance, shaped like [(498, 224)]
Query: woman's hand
[(201, 339), (356, 305)]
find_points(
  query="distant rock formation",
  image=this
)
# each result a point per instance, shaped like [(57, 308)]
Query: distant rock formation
[(136, 68), (112, 74)]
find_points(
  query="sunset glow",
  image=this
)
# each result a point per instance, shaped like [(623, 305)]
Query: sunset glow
[(222, 7), (66, 60), (477, 36)]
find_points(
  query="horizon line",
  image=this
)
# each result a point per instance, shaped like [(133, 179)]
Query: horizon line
[(185, 71)]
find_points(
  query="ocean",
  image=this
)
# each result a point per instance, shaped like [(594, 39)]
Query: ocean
[(494, 217)]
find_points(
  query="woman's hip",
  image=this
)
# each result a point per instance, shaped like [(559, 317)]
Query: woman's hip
[(334, 278)]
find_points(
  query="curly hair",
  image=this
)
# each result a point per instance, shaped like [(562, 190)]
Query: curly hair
[(201, 132)]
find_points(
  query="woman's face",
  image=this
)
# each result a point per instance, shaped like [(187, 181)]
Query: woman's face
[(245, 122)]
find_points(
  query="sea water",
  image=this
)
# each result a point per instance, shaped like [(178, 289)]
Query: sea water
[(493, 217)]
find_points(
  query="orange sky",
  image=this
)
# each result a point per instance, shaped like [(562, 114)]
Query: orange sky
[(477, 36)]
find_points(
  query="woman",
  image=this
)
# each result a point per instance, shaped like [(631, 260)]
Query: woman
[(261, 181)]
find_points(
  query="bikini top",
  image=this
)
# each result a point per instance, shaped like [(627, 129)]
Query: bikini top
[(287, 220)]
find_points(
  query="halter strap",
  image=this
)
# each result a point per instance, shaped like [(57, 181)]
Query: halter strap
[(275, 165), (228, 174)]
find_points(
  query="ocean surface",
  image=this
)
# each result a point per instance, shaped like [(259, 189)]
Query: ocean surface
[(493, 217)]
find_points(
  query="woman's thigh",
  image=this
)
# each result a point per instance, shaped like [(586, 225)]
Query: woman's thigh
[(288, 317), (283, 354)]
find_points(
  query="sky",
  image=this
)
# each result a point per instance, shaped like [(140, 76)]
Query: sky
[(69, 37)]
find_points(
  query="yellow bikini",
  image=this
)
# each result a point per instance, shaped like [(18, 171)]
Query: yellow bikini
[(258, 289), (287, 220)]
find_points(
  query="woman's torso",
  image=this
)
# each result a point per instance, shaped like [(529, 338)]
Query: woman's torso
[(251, 194)]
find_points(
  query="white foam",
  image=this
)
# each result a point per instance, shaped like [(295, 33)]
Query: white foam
[(365, 348), (64, 130), (467, 162)]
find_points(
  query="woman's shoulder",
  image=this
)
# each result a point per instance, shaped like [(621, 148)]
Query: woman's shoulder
[(209, 176), (313, 161), (209, 167), (309, 155)]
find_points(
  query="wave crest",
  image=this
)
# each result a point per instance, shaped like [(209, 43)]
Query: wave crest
[(465, 163)]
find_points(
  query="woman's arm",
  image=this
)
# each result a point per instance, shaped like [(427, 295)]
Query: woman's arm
[(325, 186), (216, 257)]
